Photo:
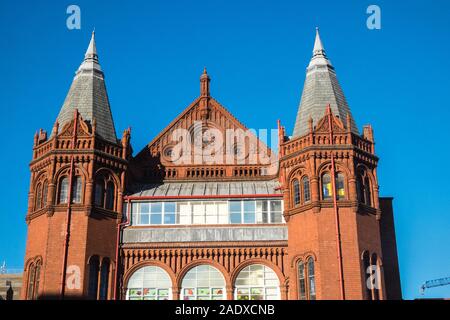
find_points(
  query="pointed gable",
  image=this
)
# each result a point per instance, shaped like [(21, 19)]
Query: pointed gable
[(321, 88), (217, 116), (219, 146), (205, 110), (88, 94)]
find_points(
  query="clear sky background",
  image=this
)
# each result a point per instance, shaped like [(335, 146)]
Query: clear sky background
[(256, 52)]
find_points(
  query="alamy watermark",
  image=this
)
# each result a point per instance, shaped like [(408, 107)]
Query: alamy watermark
[(73, 277), (373, 21), (373, 279), (74, 19)]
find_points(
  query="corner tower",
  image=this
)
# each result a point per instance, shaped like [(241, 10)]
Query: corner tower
[(328, 173), (75, 196)]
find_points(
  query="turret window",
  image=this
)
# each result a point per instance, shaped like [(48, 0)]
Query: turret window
[(93, 277), (340, 186), (368, 197), (37, 278), (327, 186), (376, 277), (41, 195), (38, 197), (296, 186), (367, 273), (44, 194), (306, 279), (360, 188), (306, 189), (372, 276), (105, 193), (31, 274), (34, 274), (301, 191), (99, 192), (301, 281), (327, 189), (110, 196), (63, 190), (104, 279), (363, 188), (311, 279), (76, 189)]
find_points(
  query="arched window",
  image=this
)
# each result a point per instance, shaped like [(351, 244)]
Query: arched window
[(327, 189), (301, 281), (149, 283), (104, 279), (31, 275), (38, 201), (37, 278), (363, 188), (367, 273), (203, 283), (376, 277), (63, 190), (44, 194), (368, 197), (296, 187), (306, 191), (306, 280), (340, 186), (34, 274), (257, 282), (99, 197), (76, 189), (311, 279), (360, 188), (104, 195), (110, 196), (93, 277)]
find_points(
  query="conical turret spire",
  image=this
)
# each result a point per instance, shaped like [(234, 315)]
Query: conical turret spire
[(90, 61), (319, 56), (321, 88), (88, 94), (91, 51), (318, 46)]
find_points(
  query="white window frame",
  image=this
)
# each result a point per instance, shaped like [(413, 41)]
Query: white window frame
[(210, 287), (170, 295), (218, 217), (263, 287), (269, 211)]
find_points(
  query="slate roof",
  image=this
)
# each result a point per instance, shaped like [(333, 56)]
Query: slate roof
[(180, 189), (88, 94), (320, 89)]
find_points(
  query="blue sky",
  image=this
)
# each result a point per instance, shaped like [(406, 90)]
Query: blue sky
[(256, 52)]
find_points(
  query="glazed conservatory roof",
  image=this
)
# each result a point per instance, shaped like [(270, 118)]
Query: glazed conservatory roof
[(192, 189)]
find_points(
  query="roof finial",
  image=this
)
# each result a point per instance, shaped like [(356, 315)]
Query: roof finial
[(91, 51), (318, 46), (319, 57), (204, 84), (90, 61)]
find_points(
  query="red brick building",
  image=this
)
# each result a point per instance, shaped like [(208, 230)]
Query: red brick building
[(206, 210)]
